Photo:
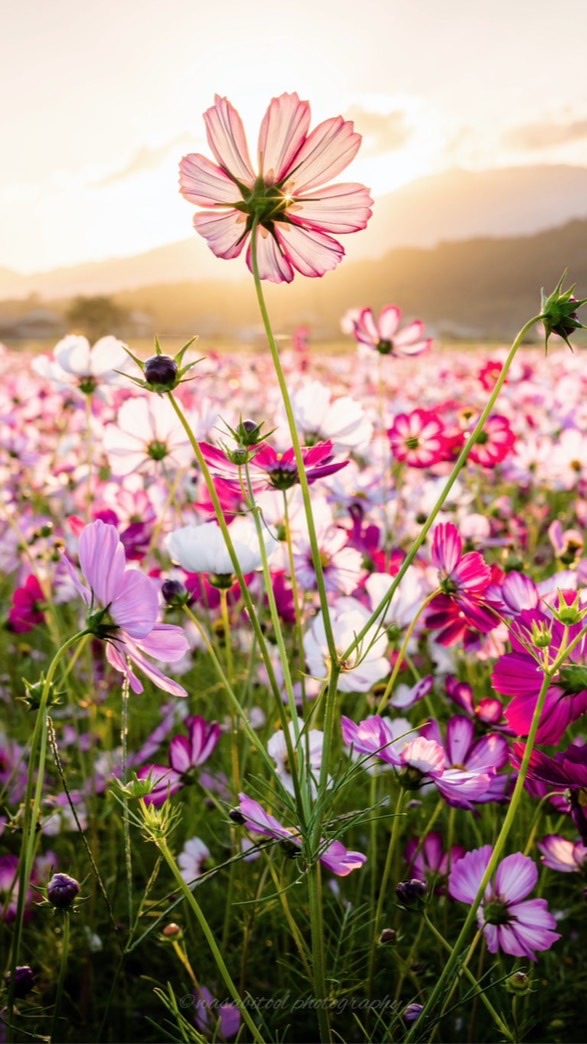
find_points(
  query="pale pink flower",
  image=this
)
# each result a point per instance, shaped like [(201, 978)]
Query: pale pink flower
[(291, 214), (123, 609), (384, 335)]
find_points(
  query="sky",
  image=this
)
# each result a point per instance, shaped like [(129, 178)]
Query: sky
[(100, 101)]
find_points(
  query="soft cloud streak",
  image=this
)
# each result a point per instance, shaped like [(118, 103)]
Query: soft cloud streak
[(382, 132), (545, 134)]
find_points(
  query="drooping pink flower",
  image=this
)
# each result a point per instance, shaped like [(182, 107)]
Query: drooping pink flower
[(510, 925), (557, 853), (463, 580), (332, 854), (291, 215), (269, 469), (384, 334), (124, 608), (426, 859)]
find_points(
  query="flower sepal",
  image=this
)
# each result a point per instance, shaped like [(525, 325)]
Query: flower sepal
[(559, 312)]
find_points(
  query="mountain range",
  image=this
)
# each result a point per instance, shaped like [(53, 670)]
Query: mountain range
[(448, 207)]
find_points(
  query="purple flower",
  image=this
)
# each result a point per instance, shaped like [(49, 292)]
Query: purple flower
[(520, 928), (427, 860), (185, 754), (124, 607), (568, 857), (208, 1010), (332, 855)]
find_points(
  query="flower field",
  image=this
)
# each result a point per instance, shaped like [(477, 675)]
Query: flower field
[(294, 662)]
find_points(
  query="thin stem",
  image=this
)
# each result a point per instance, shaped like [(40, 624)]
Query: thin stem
[(459, 464), (391, 849), (205, 927), (62, 971)]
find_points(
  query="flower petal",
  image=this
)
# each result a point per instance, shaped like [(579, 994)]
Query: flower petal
[(327, 150), (225, 231), (339, 209), (271, 261), (136, 608), (203, 183), (226, 137), (467, 874), (102, 560), (311, 252), (283, 131), (515, 877)]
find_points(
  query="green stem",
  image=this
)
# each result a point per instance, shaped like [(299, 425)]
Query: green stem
[(62, 971), (494, 860), (318, 959), (391, 849), (501, 1025), (402, 651), (32, 807), (459, 464), (197, 910)]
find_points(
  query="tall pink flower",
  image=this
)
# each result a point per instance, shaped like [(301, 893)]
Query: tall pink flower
[(123, 610), (290, 213), (384, 334)]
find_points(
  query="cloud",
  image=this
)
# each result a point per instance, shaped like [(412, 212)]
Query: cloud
[(382, 132), (546, 135), (148, 157)]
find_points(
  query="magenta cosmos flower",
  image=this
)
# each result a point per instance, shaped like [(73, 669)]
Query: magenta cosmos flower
[(186, 753), (333, 854), (269, 469), (283, 204), (508, 924), (123, 610)]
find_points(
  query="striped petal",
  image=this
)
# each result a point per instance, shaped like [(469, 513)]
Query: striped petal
[(283, 131), (203, 183), (311, 252), (339, 209), (226, 137), (327, 150), (224, 231)]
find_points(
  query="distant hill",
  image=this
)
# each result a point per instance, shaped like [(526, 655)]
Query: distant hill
[(483, 287), (447, 207)]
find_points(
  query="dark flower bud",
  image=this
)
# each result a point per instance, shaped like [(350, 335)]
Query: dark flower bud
[(161, 372), (62, 890), (174, 592), (411, 893), (388, 936), (237, 817), (24, 980)]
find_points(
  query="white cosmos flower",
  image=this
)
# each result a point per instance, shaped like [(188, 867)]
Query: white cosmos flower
[(147, 432), (367, 665), (76, 364), (192, 858), (321, 417), (202, 549), (310, 746)]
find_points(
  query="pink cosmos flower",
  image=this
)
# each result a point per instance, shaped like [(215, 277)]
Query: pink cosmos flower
[(27, 603), (124, 607), (518, 674), (426, 859), (418, 438), (333, 854), (494, 442), (185, 754), (568, 857), (508, 924), (464, 579), (385, 336), (283, 205)]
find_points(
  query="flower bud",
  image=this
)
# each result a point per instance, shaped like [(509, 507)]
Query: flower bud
[(172, 931), (161, 373), (62, 890), (24, 980), (412, 1012), (518, 983), (237, 817), (174, 593), (388, 936), (411, 893)]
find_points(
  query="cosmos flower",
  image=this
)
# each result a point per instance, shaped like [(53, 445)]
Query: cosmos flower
[(385, 336), (283, 205), (123, 610), (367, 665), (269, 469), (508, 924), (417, 438), (192, 858), (568, 857), (202, 549), (77, 365), (333, 854), (186, 753)]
